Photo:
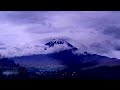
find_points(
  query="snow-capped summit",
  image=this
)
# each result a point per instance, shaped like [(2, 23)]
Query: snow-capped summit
[(55, 41), (60, 43)]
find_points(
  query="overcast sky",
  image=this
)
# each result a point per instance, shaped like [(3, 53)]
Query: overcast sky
[(93, 31)]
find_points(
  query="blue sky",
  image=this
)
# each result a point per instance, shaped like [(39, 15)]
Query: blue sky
[(93, 31)]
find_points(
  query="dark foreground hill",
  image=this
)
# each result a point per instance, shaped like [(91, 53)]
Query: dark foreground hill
[(11, 71)]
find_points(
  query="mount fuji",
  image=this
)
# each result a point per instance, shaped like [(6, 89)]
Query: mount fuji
[(61, 52)]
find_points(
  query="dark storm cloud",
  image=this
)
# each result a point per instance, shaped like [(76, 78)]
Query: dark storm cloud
[(117, 48), (112, 30)]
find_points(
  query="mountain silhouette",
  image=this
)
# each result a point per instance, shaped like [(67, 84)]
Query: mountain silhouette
[(68, 57)]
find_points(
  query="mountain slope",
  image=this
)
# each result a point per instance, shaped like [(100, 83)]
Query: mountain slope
[(67, 58)]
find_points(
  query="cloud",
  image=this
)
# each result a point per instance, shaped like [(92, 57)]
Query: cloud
[(22, 17), (92, 31), (112, 30)]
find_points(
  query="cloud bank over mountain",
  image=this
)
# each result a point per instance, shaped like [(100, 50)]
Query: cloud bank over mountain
[(92, 31)]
